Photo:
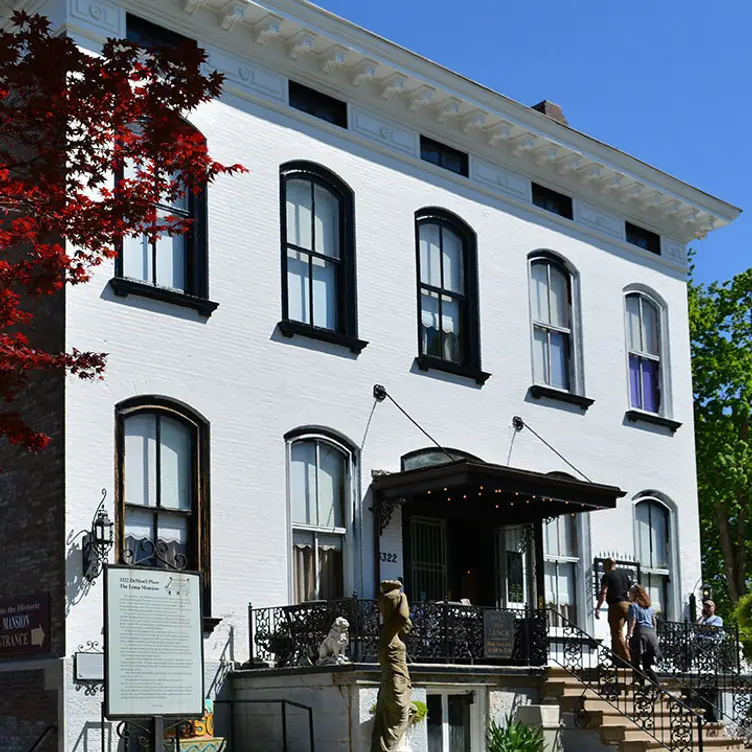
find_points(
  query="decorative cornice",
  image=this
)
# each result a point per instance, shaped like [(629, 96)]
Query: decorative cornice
[(372, 72)]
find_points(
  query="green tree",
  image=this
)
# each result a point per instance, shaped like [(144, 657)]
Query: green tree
[(720, 319)]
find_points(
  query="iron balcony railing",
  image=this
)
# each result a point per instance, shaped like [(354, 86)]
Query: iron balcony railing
[(706, 661), (441, 633)]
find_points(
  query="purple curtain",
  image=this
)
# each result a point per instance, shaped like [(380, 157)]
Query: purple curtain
[(634, 382), (650, 393)]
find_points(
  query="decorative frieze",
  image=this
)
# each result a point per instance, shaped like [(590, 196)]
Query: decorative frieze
[(597, 219), (100, 16), (502, 180), (385, 132), (242, 78)]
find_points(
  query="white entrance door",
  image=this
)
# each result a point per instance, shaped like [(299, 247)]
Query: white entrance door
[(512, 567)]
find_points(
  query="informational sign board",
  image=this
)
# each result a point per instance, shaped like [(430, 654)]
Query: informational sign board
[(25, 625), (154, 662), (498, 634)]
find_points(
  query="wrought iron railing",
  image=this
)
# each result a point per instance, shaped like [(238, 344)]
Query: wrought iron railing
[(441, 633), (706, 661), (660, 714)]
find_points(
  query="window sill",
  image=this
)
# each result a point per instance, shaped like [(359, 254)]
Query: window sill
[(430, 363), (538, 391), (638, 416), (292, 328), (123, 287), (210, 624)]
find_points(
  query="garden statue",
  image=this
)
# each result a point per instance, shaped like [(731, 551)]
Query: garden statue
[(332, 649), (393, 706)]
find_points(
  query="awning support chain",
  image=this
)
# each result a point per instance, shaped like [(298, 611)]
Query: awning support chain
[(380, 394), (519, 424)]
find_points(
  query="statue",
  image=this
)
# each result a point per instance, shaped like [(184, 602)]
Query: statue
[(393, 706), (332, 648)]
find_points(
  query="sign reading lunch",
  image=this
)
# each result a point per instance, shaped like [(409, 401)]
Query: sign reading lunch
[(153, 643), (25, 626)]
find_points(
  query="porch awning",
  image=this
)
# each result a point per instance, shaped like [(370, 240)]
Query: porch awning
[(497, 488)]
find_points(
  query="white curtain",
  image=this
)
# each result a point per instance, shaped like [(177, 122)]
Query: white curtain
[(559, 297), (298, 194), (430, 254), (298, 287), (331, 487), (326, 222), (559, 344), (176, 466), (141, 460), (634, 338), (539, 291), (453, 263), (171, 259), (650, 340), (324, 293), (303, 482), (137, 258)]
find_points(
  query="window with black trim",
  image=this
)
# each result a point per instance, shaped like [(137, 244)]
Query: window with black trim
[(552, 323), (443, 156), (639, 236), (321, 106), (172, 265), (318, 254), (644, 352), (163, 486), (320, 473), (448, 331), (148, 34), (653, 549), (552, 201)]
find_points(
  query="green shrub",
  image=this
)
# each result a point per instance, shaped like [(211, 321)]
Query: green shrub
[(514, 737)]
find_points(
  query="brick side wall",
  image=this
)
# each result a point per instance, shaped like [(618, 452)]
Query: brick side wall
[(32, 535)]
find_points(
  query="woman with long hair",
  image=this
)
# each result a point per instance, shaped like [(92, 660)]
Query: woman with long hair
[(643, 640)]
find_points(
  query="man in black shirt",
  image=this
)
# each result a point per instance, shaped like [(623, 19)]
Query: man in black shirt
[(615, 585)]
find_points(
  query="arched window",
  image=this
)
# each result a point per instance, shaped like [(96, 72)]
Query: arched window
[(163, 504), (653, 551), (318, 252), (644, 351), (448, 332), (552, 323), (171, 262), (320, 473)]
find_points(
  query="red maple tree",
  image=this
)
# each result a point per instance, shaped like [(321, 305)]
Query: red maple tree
[(69, 122)]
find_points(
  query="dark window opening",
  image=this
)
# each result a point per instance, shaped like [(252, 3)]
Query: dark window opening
[(148, 34), (443, 156), (553, 201), (643, 238), (319, 105)]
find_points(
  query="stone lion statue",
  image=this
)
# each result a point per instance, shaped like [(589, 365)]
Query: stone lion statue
[(332, 649)]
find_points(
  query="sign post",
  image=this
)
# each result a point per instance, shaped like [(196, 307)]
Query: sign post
[(153, 657)]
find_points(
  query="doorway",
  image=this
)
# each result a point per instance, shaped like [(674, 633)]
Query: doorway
[(512, 566)]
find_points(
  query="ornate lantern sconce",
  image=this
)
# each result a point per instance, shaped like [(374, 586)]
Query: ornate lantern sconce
[(97, 542)]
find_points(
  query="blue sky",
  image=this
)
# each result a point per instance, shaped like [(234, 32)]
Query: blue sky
[(669, 81)]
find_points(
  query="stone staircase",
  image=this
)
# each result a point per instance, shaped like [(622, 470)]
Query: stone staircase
[(617, 730)]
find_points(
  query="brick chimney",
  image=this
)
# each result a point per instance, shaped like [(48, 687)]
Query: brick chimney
[(551, 110)]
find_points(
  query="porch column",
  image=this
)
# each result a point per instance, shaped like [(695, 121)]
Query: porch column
[(540, 583)]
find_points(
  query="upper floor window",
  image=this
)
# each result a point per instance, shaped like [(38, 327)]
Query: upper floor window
[(447, 291), (551, 306), (318, 250), (653, 549), (320, 482), (561, 562), (174, 262), (644, 352), (163, 485), (148, 34), (321, 106), (553, 201), (643, 238), (443, 156)]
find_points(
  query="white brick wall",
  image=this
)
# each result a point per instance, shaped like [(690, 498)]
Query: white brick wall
[(254, 386)]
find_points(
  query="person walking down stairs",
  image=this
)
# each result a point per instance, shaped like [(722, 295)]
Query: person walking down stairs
[(615, 585), (641, 635)]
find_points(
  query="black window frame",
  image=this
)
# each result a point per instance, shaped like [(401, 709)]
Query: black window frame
[(346, 333), (470, 366), (445, 153), (148, 34), (651, 241), (545, 198), (316, 104), (196, 294), (200, 516)]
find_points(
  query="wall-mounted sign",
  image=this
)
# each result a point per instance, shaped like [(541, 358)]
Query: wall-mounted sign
[(154, 661), (25, 625), (498, 634)]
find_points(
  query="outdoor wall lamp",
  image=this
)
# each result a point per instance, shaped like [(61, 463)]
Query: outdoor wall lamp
[(97, 542)]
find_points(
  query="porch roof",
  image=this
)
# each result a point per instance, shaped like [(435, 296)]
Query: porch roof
[(474, 480)]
